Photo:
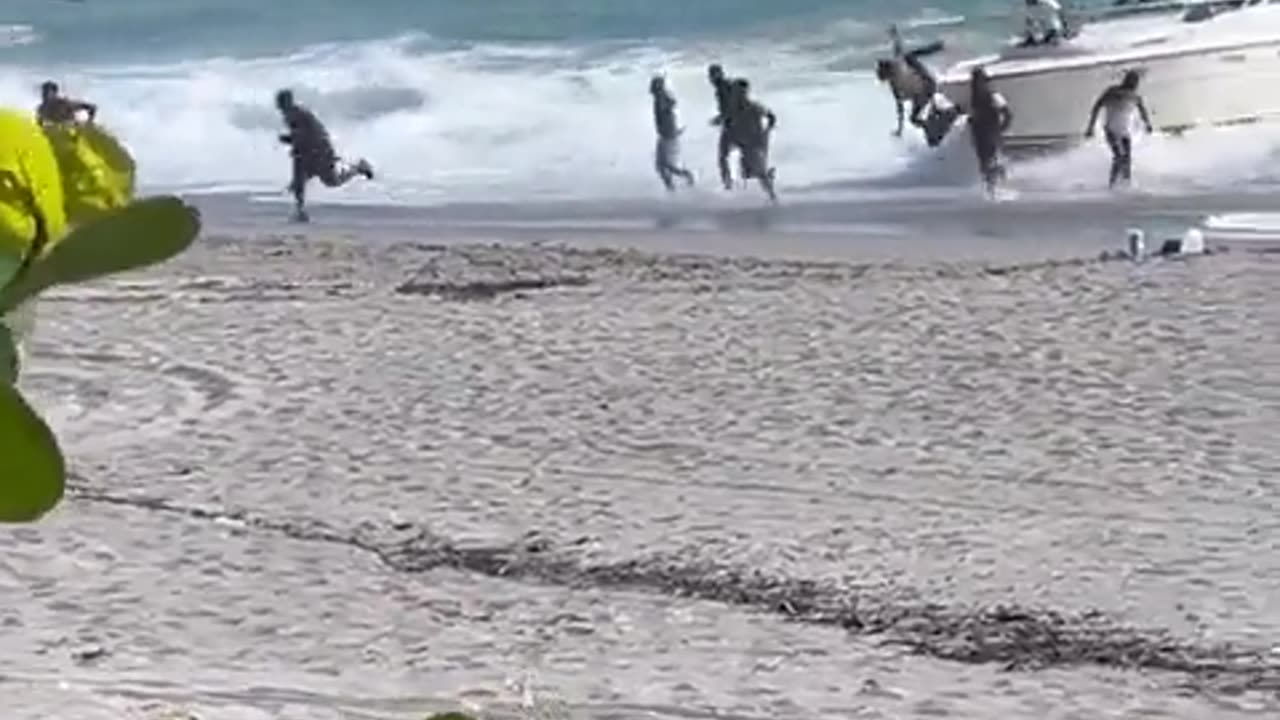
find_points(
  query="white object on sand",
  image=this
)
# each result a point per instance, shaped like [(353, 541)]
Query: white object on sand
[(1192, 242), (1136, 243)]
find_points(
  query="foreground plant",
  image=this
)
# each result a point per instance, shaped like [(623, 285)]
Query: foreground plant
[(67, 215)]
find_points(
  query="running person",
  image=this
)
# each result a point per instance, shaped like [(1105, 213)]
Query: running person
[(1123, 106), (724, 92), (312, 152), (752, 124), (55, 108), (989, 118), (667, 153)]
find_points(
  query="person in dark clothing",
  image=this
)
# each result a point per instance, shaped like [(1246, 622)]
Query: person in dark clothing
[(312, 152), (724, 92), (989, 118), (57, 109), (666, 156), (752, 124)]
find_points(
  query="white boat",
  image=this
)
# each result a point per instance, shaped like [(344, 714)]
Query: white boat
[(1259, 230), (1202, 64)]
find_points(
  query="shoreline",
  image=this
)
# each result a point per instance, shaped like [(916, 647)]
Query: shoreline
[(956, 227)]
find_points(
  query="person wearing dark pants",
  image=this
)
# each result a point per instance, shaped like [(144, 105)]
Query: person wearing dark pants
[(1123, 106)]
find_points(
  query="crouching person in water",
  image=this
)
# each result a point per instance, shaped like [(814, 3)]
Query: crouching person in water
[(751, 126), (312, 151), (667, 154), (989, 118), (1123, 106)]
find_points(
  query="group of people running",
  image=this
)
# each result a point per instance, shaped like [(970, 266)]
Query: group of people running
[(310, 147), (989, 114), (745, 125)]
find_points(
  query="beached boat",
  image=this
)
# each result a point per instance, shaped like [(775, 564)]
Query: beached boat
[(1202, 64)]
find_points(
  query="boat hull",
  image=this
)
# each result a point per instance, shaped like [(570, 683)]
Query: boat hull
[(1182, 90)]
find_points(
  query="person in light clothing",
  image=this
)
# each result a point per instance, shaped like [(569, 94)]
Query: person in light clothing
[(667, 154), (1124, 106), (1044, 23)]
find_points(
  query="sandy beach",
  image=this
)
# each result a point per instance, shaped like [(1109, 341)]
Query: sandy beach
[(384, 465)]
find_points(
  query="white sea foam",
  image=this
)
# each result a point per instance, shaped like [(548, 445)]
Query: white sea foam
[(514, 123)]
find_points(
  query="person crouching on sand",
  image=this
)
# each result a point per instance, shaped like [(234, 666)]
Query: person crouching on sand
[(666, 156), (312, 152), (1123, 105)]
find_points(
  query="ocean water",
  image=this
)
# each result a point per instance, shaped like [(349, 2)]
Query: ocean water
[(514, 100)]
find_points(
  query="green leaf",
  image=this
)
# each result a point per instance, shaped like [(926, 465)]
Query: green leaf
[(8, 356), (32, 471), (8, 268), (146, 232)]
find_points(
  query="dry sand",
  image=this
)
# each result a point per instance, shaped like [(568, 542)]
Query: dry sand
[(322, 477)]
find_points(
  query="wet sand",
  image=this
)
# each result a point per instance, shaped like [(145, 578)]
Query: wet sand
[(363, 471)]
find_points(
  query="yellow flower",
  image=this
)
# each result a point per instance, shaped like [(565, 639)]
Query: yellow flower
[(29, 184)]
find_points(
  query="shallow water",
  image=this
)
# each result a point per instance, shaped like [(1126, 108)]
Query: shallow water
[(324, 478)]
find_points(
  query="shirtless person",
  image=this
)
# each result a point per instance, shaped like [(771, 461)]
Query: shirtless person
[(667, 154), (56, 109), (908, 78), (1122, 103), (752, 124), (312, 151)]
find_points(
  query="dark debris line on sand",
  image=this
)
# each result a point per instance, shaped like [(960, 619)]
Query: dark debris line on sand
[(486, 289), (1013, 637), (518, 272)]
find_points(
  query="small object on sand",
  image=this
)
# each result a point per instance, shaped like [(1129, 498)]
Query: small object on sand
[(1191, 243), (89, 654)]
